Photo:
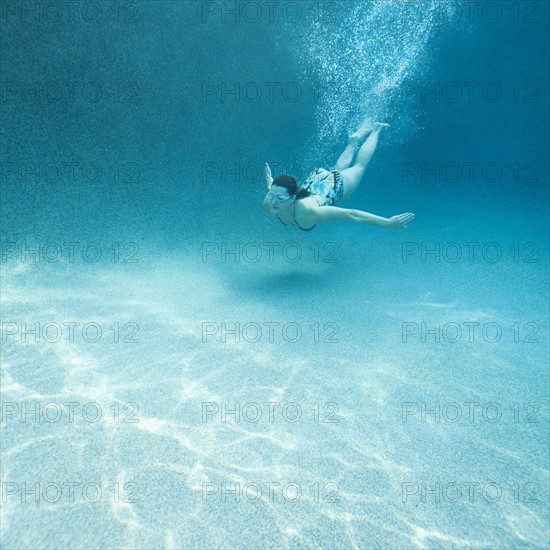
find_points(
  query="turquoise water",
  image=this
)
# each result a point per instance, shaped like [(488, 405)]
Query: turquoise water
[(179, 370)]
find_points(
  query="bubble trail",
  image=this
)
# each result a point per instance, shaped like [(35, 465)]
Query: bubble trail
[(360, 63)]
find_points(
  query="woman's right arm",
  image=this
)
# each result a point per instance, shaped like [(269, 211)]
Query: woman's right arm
[(267, 176), (268, 180)]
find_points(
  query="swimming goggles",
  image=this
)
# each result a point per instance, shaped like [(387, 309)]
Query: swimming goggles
[(278, 198)]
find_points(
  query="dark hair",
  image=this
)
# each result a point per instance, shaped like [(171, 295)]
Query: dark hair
[(290, 183)]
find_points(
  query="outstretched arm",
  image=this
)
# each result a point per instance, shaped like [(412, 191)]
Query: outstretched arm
[(333, 213), (267, 176), (268, 180)]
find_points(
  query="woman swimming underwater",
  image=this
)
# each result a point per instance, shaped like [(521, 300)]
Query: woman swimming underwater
[(312, 203)]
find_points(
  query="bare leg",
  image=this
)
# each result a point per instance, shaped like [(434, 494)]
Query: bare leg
[(353, 176), (346, 158)]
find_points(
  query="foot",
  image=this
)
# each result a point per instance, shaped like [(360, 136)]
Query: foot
[(367, 127), (377, 126), (358, 136)]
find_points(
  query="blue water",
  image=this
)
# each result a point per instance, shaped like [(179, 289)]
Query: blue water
[(180, 370)]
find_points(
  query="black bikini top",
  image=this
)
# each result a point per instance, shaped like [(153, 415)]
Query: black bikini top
[(294, 216)]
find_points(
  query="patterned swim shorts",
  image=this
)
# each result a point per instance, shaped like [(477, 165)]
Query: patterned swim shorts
[(327, 186)]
